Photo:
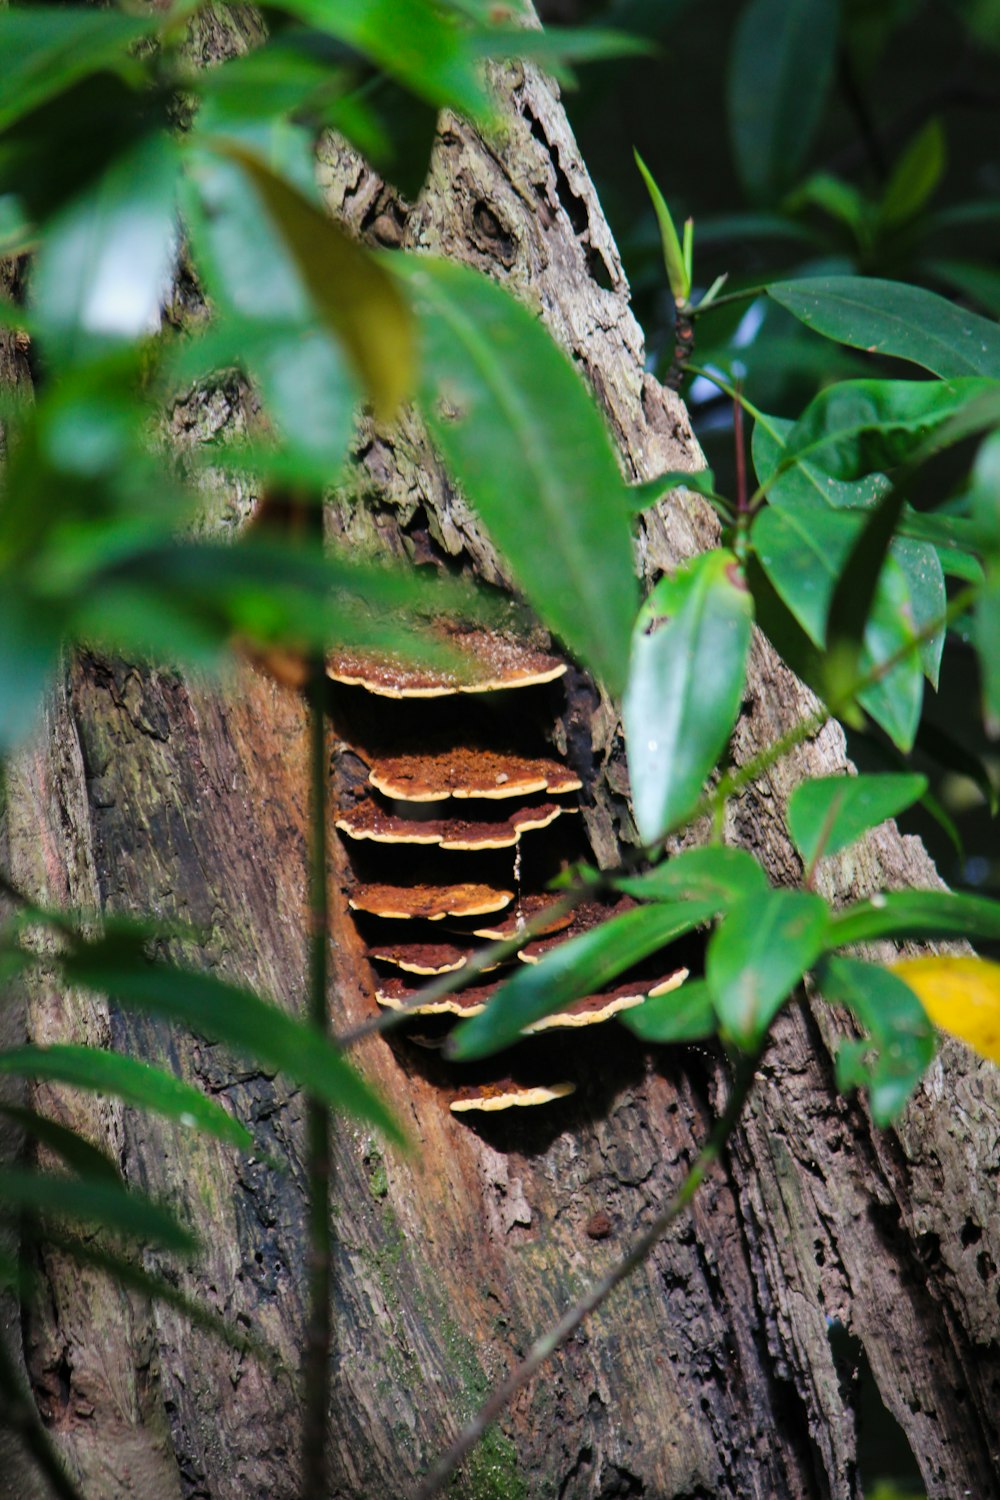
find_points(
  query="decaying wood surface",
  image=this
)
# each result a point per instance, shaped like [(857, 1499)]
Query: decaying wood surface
[(711, 1373)]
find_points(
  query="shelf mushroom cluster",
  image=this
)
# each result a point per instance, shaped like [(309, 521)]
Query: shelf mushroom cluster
[(476, 831)]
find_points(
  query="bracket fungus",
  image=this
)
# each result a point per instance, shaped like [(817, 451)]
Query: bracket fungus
[(408, 755)]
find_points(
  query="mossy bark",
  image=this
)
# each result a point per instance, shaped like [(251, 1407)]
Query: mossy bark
[(711, 1373)]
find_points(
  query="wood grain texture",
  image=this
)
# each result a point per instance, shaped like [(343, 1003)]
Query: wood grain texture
[(710, 1374)]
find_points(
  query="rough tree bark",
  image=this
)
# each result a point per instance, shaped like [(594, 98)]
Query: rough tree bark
[(711, 1373)]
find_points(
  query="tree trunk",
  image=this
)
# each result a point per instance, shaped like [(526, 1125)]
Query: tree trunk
[(711, 1373)]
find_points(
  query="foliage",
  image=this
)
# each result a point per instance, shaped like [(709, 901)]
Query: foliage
[(102, 539)]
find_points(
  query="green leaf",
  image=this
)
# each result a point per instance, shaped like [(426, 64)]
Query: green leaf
[(100, 1204), (986, 635), (673, 257), (758, 954), (127, 1078), (578, 967), (714, 873), (780, 69), (415, 41), (524, 438), (924, 573), (895, 699), (78, 1154), (854, 592), (900, 1044), (891, 317), (359, 301), (830, 812), (681, 1015), (685, 687), (862, 426), (917, 914), (555, 48), (104, 262), (915, 176), (980, 283), (652, 491), (47, 48), (984, 495), (226, 1013), (302, 376), (841, 200)]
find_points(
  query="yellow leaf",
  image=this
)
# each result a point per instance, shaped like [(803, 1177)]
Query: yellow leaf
[(961, 995), (359, 300)]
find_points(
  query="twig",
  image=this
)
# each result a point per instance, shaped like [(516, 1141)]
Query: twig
[(544, 1347), (316, 1355)]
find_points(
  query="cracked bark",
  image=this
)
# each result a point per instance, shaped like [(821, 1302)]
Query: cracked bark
[(711, 1373)]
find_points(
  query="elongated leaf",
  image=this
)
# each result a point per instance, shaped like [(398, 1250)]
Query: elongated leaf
[(227, 1013), (830, 812), (127, 1078), (100, 1204), (862, 426), (924, 573), (577, 967), (681, 1015), (916, 914), (802, 547), (356, 297), (642, 496), (104, 263), (713, 874), (673, 257), (46, 48), (900, 1042), (980, 283), (891, 317), (950, 753), (961, 995), (758, 954), (915, 176), (28, 659), (986, 634), (525, 440), (779, 72), (685, 687), (78, 1154)]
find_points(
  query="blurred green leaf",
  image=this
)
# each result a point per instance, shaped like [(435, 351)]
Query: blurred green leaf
[(853, 596), (578, 967), (682, 1015), (103, 264), (685, 687), (99, 1204), (227, 1013), (841, 200), (360, 302), (916, 914), (900, 1039), (915, 176), (828, 813), (780, 69), (714, 873), (30, 636), (980, 283), (78, 1154), (986, 635), (950, 753), (891, 317), (922, 568), (524, 438), (123, 1077), (652, 491), (895, 698), (46, 48), (758, 954)]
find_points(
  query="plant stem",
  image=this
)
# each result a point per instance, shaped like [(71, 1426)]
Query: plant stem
[(316, 1355), (571, 1319), (21, 1417), (747, 295)]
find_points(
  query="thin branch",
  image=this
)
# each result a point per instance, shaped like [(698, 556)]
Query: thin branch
[(601, 1290), (316, 1354)]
